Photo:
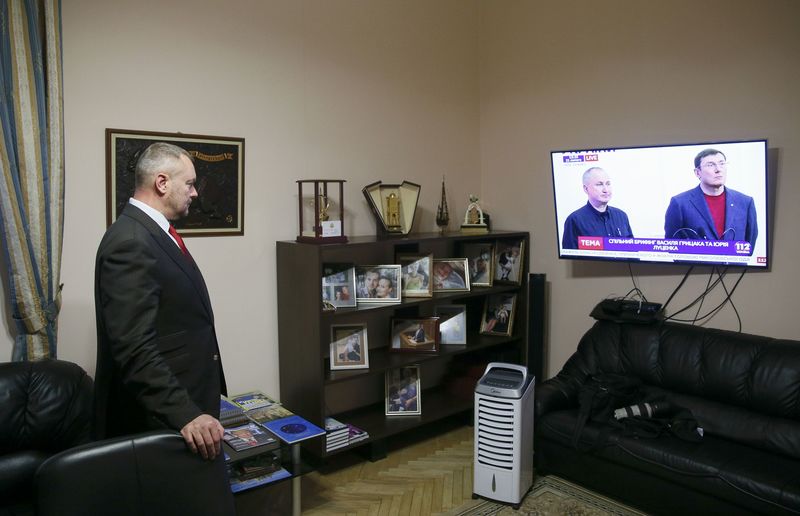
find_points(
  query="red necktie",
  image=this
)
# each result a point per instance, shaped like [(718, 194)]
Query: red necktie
[(177, 237)]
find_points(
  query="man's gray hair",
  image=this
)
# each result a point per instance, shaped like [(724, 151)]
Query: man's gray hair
[(158, 157), (588, 173)]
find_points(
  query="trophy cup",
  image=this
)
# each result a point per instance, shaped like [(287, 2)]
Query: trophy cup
[(317, 225)]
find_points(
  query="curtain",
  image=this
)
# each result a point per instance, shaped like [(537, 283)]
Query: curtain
[(32, 170)]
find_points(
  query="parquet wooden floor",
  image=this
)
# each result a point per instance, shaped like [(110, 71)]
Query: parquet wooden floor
[(427, 477)]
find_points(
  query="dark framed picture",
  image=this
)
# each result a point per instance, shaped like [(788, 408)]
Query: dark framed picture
[(452, 323), (450, 275), (418, 335), (378, 283), (480, 262), (403, 393), (339, 284), (416, 275), (218, 162), (509, 260), (498, 314), (349, 347)]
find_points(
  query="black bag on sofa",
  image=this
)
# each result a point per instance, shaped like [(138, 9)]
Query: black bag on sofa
[(599, 398), (604, 394)]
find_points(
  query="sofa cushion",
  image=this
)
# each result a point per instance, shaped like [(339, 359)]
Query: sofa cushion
[(726, 464)]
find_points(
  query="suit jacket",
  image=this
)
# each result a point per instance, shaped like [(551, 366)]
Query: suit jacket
[(688, 217), (158, 361)]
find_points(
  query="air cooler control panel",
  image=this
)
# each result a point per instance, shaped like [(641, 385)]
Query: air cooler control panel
[(502, 382)]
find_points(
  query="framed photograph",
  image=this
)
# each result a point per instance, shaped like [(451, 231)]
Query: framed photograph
[(218, 162), (349, 349), (450, 275), (509, 260), (498, 314), (416, 275), (339, 284), (403, 393), (378, 283), (480, 263), (452, 323), (418, 335)]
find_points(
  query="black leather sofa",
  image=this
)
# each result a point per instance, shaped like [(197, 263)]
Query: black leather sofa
[(743, 390), (45, 407)]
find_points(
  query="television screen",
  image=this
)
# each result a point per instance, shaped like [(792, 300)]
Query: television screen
[(699, 203)]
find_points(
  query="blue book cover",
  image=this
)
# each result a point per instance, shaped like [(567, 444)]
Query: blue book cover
[(241, 485), (293, 429)]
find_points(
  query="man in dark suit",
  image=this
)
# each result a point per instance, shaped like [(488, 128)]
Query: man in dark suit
[(711, 210), (158, 363)]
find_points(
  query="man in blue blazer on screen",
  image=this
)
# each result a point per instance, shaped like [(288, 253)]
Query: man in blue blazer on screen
[(710, 211)]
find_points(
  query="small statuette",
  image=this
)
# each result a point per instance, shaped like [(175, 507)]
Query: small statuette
[(393, 212), (474, 221), (442, 214)]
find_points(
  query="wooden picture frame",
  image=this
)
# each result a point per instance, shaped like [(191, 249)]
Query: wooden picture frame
[(403, 391), (450, 275), (452, 323), (349, 347), (509, 260), (339, 284), (480, 263), (416, 269), (218, 162), (378, 283), (415, 335), (498, 314)]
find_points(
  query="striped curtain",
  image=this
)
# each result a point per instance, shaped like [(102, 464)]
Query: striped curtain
[(32, 170)]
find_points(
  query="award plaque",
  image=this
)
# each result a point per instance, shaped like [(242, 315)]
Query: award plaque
[(320, 204), (474, 221), (394, 206)]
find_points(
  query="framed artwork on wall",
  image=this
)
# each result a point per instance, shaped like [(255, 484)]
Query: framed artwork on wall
[(218, 162)]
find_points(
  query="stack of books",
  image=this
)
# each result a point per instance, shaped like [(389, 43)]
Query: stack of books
[(231, 414), (356, 434), (255, 471), (337, 434)]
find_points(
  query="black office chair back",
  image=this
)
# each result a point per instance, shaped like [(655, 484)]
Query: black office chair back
[(143, 475)]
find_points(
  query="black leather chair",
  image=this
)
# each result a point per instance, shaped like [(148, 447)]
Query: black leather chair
[(146, 474), (45, 407)]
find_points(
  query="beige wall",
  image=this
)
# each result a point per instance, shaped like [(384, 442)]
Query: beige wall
[(558, 75), (367, 90), (361, 91)]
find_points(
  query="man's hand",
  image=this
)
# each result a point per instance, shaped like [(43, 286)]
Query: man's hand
[(203, 435)]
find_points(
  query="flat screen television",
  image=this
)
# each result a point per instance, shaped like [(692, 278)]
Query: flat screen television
[(700, 203)]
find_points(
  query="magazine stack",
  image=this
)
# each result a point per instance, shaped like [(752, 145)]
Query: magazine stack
[(230, 414), (337, 434), (356, 434)]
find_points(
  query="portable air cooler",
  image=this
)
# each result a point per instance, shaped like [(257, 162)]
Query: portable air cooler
[(503, 469)]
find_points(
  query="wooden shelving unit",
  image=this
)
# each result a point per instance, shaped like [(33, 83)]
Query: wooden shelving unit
[(311, 389)]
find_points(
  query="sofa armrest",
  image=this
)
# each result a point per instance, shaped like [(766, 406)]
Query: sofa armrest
[(553, 395)]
